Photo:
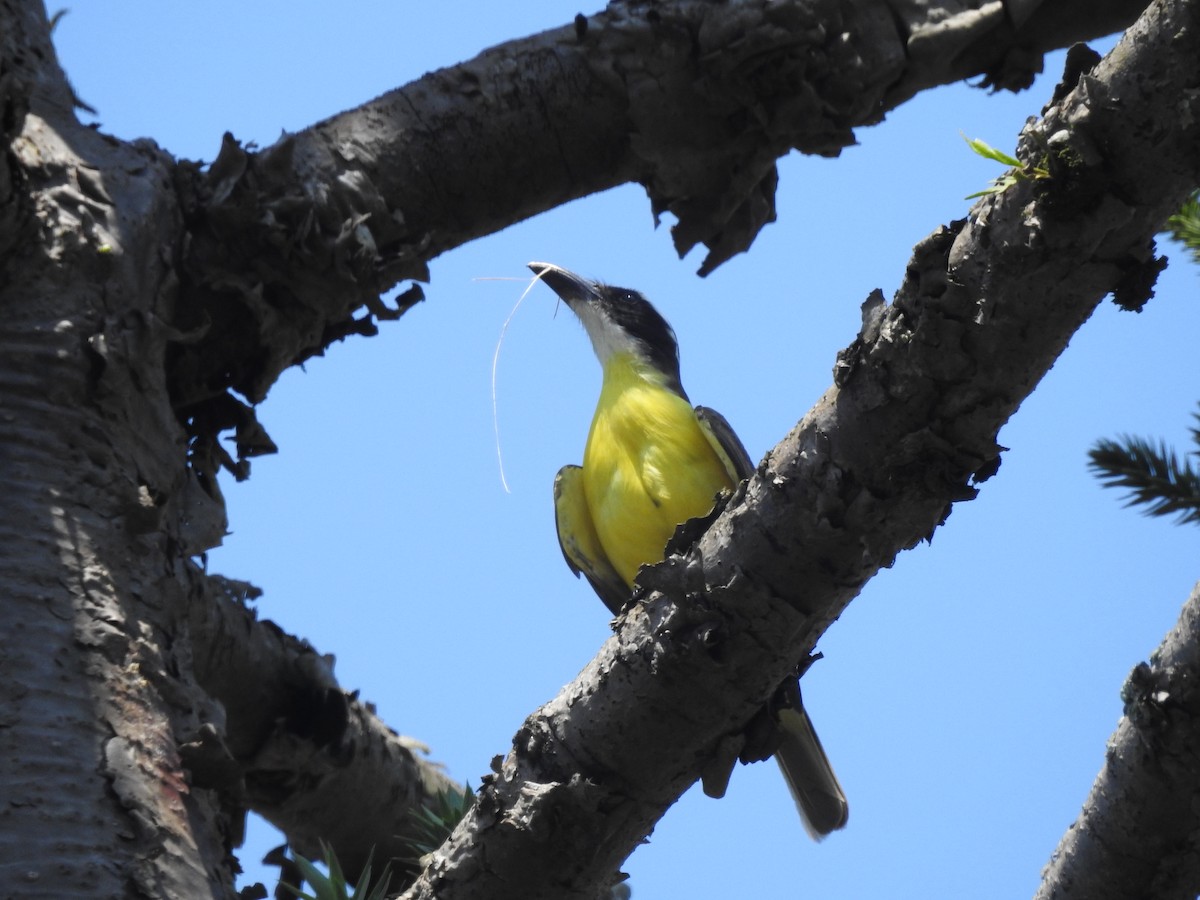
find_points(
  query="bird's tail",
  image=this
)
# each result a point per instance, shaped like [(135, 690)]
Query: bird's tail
[(818, 795)]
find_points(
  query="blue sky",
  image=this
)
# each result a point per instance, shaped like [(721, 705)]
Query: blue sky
[(965, 697)]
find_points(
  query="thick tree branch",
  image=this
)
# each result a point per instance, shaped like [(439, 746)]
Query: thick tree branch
[(296, 748), (1003, 40), (987, 306), (692, 99), (1139, 830)]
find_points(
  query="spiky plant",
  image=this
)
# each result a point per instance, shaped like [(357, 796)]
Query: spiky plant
[(333, 886), (1155, 477)]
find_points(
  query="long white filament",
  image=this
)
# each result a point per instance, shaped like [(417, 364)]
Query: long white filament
[(495, 368)]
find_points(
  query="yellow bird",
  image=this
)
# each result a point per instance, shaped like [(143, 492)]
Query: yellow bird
[(651, 462)]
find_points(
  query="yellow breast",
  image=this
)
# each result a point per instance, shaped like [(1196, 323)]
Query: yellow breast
[(647, 466)]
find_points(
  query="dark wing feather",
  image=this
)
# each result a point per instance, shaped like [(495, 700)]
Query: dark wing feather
[(727, 444), (579, 543)]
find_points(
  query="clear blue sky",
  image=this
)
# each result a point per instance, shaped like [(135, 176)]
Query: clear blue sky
[(965, 697)]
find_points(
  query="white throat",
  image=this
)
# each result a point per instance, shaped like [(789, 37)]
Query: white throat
[(608, 340)]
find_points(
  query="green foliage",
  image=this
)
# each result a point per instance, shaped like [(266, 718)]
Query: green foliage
[(1184, 226), (333, 886), (434, 821), (1018, 171), (433, 824), (1154, 476)]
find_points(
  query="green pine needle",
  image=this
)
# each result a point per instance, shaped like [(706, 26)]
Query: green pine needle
[(1184, 226), (1153, 475)]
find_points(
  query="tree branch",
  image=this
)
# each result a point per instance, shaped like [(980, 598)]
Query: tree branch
[(692, 99), (296, 748), (1140, 827), (1002, 40), (987, 305)]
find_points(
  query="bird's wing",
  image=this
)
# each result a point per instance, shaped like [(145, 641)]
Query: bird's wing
[(723, 440), (580, 545)]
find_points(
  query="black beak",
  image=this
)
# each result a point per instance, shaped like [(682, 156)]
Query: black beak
[(571, 288)]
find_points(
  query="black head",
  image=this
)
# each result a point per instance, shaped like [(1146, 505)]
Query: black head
[(617, 320)]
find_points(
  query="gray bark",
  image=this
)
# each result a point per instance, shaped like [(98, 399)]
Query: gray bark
[(1138, 832), (94, 690), (293, 746)]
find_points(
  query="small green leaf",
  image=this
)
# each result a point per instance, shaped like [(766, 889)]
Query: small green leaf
[(987, 151), (997, 185)]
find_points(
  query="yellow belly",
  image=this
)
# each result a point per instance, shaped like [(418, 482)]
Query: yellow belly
[(647, 467)]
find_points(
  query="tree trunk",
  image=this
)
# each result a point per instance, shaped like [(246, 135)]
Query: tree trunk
[(97, 690)]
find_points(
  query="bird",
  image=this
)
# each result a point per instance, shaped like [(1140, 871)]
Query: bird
[(651, 462)]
